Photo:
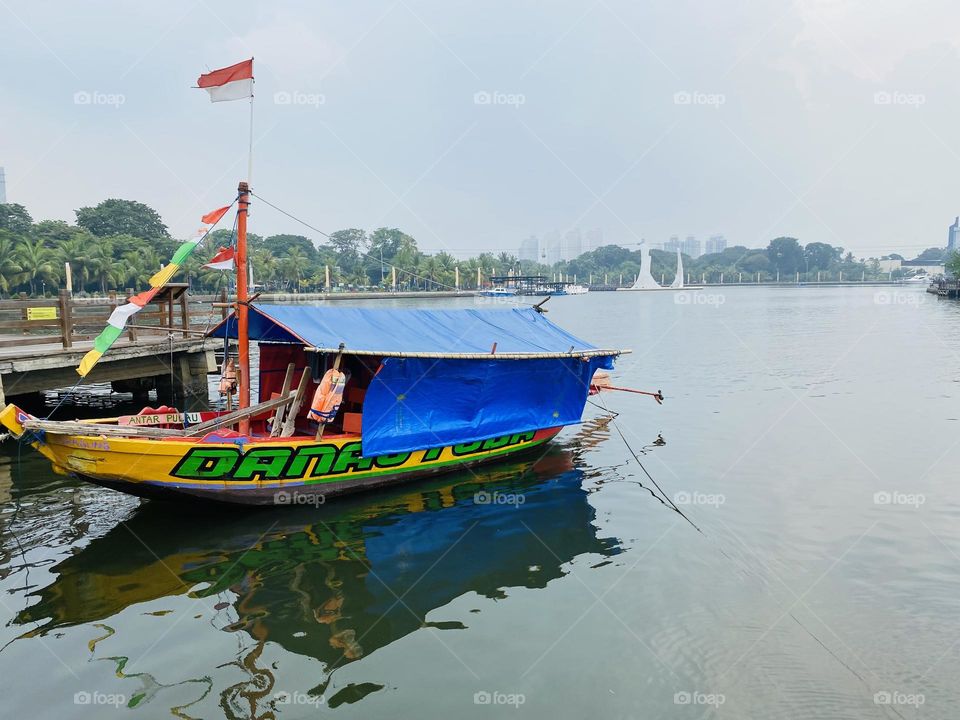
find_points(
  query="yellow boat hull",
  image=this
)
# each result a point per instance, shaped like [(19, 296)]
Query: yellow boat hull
[(268, 471)]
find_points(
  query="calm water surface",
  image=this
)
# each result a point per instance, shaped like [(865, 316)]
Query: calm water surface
[(813, 437)]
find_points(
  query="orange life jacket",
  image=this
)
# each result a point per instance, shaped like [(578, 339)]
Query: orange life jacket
[(228, 380), (329, 395)]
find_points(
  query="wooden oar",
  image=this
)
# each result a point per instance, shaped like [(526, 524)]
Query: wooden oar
[(290, 425), (232, 418), (278, 416)]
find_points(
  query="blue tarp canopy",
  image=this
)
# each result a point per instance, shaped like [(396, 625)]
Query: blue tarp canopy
[(386, 332), (439, 384)]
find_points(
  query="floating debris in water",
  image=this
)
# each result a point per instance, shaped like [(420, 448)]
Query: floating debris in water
[(353, 693), (446, 625)]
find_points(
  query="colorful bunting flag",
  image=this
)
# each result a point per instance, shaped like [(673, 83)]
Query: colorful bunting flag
[(119, 317), (115, 325), (213, 217)]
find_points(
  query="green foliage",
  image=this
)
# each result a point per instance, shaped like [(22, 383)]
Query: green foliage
[(388, 246), (15, 218), (282, 244), (122, 217), (932, 255), (120, 244), (348, 246), (754, 262), (785, 255), (953, 264), (10, 268), (820, 256), (38, 263)]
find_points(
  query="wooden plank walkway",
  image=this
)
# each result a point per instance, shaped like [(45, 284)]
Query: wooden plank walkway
[(42, 341), (177, 368)]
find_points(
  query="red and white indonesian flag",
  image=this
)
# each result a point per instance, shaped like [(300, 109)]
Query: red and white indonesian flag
[(223, 260), (229, 83)]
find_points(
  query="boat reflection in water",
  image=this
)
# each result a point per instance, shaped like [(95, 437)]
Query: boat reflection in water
[(337, 582)]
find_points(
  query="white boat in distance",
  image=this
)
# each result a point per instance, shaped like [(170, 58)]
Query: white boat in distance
[(645, 281), (498, 292)]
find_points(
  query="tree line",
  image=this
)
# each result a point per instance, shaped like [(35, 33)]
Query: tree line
[(120, 244), (783, 258)]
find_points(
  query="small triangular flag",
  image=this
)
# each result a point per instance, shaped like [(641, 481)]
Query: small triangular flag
[(223, 260)]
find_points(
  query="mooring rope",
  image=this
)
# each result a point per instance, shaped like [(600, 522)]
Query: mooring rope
[(667, 500), (669, 503), (63, 398)]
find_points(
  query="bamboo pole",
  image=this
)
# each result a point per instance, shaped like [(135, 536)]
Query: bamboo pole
[(479, 356), (61, 427), (243, 336)]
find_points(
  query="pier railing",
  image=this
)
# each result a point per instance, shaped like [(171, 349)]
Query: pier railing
[(65, 320)]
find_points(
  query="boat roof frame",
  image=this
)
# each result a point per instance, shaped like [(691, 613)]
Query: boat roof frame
[(596, 352)]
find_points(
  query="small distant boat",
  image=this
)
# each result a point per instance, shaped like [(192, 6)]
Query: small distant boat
[(498, 292), (557, 288)]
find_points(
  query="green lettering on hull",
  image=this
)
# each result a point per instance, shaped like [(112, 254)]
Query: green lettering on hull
[(207, 463), (349, 459), (324, 454), (312, 461), (262, 464)]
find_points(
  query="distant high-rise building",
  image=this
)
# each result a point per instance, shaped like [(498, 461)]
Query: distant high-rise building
[(952, 236), (691, 246), (572, 245), (3, 187), (715, 244), (550, 248), (593, 239), (672, 244), (530, 249)]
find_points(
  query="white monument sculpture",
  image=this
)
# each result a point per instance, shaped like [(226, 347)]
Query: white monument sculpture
[(645, 280), (678, 280)]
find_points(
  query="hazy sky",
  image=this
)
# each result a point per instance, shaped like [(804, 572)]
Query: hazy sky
[(828, 120)]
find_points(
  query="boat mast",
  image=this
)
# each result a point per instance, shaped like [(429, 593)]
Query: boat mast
[(243, 335)]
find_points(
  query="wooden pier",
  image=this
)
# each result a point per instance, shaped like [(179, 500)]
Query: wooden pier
[(945, 288), (42, 342)]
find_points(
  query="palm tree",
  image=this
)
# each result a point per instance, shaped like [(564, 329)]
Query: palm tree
[(74, 250), (264, 267), (192, 269), (38, 262), (138, 268), (104, 268), (10, 268), (293, 265), (444, 272)]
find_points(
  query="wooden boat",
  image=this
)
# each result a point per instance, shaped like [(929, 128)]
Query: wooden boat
[(427, 391)]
